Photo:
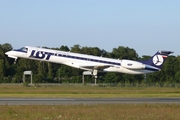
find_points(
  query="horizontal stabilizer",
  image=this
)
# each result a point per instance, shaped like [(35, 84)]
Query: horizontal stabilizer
[(163, 52)]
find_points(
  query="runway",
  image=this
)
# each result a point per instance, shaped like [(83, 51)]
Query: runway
[(74, 101)]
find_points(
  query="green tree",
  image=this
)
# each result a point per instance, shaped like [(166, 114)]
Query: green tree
[(112, 77), (4, 63), (64, 48), (76, 48), (124, 53)]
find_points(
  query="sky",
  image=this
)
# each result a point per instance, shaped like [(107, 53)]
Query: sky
[(143, 25)]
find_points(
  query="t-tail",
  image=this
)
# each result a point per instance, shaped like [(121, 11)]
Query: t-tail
[(158, 59)]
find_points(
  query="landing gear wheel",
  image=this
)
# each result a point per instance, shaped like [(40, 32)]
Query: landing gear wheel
[(15, 61)]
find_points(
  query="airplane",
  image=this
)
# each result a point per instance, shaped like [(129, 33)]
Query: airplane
[(91, 63)]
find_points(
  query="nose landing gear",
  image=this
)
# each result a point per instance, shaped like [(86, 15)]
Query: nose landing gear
[(15, 61)]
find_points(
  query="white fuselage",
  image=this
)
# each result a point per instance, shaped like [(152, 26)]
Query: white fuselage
[(82, 61)]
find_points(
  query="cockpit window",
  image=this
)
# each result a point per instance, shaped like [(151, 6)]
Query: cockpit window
[(23, 49)]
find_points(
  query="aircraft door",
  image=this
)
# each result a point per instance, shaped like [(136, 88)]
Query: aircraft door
[(28, 51)]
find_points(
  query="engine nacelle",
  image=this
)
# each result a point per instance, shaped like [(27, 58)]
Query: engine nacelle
[(129, 64)]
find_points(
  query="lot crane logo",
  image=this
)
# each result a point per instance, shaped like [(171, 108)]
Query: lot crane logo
[(158, 60)]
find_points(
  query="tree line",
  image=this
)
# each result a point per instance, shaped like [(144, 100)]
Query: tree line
[(46, 72)]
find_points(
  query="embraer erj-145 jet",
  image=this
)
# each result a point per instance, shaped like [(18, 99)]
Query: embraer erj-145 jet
[(92, 63)]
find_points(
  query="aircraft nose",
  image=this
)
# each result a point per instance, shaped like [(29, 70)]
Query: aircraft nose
[(7, 53), (11, 54)]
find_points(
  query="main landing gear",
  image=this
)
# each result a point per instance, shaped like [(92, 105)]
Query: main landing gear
[(95, 75), (15, 60)]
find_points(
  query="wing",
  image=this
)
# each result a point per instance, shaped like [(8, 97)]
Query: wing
[(95, 67)]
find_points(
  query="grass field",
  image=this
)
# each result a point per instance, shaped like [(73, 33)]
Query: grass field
[(85, 111), (82, 91), (92, 112)]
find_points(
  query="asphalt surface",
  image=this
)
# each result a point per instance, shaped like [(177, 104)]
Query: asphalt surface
[(73, 101)]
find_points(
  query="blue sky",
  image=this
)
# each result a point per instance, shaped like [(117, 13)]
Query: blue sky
[(144, 25)]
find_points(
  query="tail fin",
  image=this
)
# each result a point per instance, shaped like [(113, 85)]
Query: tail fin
[(158, 59)]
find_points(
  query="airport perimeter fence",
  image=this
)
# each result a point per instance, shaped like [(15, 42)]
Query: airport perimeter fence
[(176, 85)]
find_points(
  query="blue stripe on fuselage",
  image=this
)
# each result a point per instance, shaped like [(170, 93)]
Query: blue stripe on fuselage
[(67, 55), (88, 59)]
